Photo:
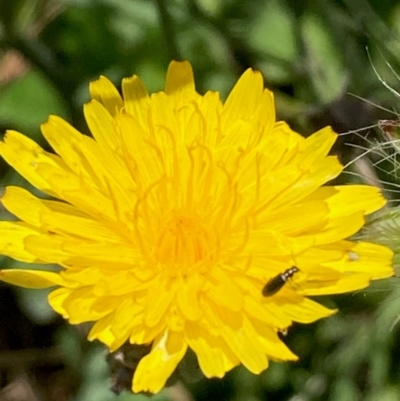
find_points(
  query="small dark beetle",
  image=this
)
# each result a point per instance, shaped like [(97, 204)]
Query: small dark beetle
[(277, 282)]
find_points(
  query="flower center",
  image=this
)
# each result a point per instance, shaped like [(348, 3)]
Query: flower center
[(183, 241)]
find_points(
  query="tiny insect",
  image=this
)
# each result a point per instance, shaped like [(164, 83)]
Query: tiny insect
[(353, 256), (277, 282)]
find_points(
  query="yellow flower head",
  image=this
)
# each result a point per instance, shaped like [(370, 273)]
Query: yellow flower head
[(175, 217)]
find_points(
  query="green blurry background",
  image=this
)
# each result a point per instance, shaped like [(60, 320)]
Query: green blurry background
[(314, 55)]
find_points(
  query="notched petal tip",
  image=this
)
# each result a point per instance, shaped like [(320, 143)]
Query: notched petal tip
[(52, 118), (107, 94), (133, 87), (180, 78), (251, 80)]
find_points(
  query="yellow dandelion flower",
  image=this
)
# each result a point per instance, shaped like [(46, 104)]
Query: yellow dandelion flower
[(172, 219)]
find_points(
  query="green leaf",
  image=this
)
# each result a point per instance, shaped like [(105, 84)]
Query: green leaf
[(323, 59)]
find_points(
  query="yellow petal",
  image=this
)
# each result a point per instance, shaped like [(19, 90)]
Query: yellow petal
[(240, 337), (266, 312), (244, 98), (369, 199), (345, 284), (101, 330), (272, 344), (31, 278), (25, 156), (339, 228), (117, 252), (155, 368), (69, 187), (306, 184), (214, 357), (77, 305), (54, 216), (372, 259), (300, 309), (223, 291), (22, 204), (136, 99), (309, 216), (159, 297), (119, 283), (318, 145), (65, 140), (101, 125), (107, 94), (180, 80), (56, 300), (147, 162), (246, 345), (12, 241), (188, 298), (47, 248), (127, 315)]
